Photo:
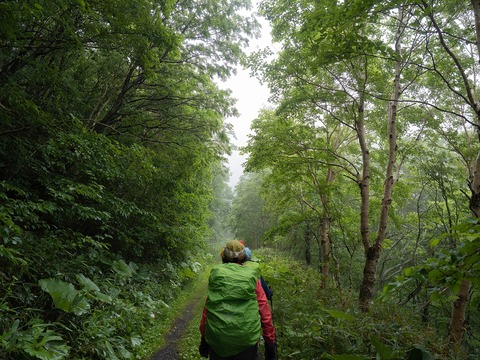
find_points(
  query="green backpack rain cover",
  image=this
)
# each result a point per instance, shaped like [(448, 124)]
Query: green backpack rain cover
[(233, 318)]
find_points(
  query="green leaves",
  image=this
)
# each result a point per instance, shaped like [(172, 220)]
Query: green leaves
[(346, 357), (124, 270), (46, 345), (316, 323), (38, 340), (65, 296), (69, 299), (340, 315), (111, 125), (446, 270), (385, 352), (250, 218), (92, 290)]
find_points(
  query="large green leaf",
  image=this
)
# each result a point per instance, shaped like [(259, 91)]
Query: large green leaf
[(65, 296), (47, 346), (36, 339), (87, 284), (384, 352), (92, 290)]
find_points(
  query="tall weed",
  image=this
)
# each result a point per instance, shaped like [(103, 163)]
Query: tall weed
[(315, 323)]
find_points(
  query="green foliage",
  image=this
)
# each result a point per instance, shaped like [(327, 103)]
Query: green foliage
[(79, 210), (220, 206), (108, 314), (438, 279), (38, 341), (449, 267), (315, 323), (112, 136), (65, 296), (111, 130), (250, 218), (332, 85), (419, 353)]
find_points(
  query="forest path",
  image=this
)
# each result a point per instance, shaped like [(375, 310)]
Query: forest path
[(180, 325)]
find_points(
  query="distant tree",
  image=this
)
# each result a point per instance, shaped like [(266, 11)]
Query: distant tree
[(301, 153), (250, 218), (221, 205)]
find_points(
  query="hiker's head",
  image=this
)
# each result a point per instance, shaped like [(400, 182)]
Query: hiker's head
[(248, 252), (233, 252)]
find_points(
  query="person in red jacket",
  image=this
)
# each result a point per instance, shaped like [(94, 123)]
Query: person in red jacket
[(268, 290), (229, 322)]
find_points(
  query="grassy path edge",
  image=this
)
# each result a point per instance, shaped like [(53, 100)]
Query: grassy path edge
[(181, 317)]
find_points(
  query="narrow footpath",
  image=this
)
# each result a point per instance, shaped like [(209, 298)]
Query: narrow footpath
[(180, 326)]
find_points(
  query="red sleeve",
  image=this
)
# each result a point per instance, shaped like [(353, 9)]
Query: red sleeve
[(268, 330), (202, 321)]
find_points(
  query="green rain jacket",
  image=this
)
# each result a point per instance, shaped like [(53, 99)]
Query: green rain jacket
[(233, 320)]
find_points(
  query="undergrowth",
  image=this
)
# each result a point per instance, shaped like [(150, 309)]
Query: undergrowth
[(155, 338), (314, 323), (116, 310)]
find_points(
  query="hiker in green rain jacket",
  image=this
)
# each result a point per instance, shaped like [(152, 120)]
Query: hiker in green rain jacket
[(236, 312)]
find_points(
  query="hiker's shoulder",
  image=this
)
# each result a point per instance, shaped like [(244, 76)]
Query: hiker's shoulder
[(252, 265)]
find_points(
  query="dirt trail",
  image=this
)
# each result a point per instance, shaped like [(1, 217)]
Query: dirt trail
[(179, 327)]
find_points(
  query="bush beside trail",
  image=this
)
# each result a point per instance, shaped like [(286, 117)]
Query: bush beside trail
[(314, 323)]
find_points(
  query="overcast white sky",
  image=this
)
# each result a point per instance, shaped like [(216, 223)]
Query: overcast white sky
[(251, 98)]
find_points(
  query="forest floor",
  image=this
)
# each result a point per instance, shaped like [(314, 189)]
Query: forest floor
[(180, 325)]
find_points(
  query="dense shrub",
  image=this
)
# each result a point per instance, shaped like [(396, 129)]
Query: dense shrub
[(103, 313), (315, 323)]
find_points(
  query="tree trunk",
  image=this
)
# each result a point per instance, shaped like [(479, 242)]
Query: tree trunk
[(325, 251), (367, 282), (306, 238), (369, 270), (476, 12), (336, 274), (475, 188), (372, 253), (324, 230), (457, 321), (364, 183)]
